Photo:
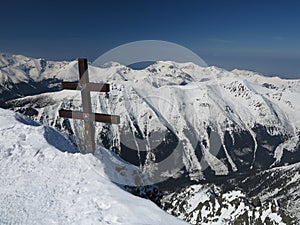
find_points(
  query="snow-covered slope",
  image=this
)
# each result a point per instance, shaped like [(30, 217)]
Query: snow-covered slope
[(266, 197), (21, 76), (200, 204), (44, 182)]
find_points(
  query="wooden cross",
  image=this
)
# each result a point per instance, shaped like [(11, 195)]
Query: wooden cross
[(88, 145)]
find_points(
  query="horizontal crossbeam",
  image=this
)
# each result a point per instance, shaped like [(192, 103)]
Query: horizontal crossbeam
[(104, 118), (99, 87)]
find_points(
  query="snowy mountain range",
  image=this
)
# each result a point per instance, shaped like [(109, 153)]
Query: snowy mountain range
[(188, 129), (21, 76)]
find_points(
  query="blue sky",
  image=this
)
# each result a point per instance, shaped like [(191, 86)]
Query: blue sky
[(258, 35)]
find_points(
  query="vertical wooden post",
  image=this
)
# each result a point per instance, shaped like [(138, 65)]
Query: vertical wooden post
[(87, 145), (89, 131)]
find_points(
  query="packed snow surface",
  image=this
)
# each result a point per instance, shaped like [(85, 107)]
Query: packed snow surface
[(43, 181)]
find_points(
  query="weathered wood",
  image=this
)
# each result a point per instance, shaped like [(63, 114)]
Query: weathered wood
[(70, 85), (106, 118), (89, 130), (98, 87), (84, 79), (98, 117)]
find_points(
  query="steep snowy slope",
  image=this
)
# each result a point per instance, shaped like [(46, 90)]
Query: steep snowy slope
[(44, 182)]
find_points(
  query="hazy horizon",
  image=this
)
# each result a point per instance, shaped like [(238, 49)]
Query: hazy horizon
[(256, 35)]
